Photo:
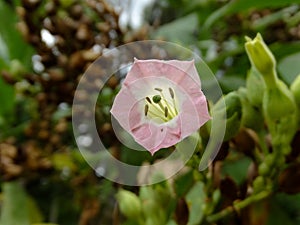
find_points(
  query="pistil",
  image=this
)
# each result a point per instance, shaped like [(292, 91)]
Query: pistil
[(158, 106)]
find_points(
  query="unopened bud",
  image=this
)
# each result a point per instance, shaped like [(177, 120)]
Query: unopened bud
[(255, 87), (129, 204), (252, 116), (279, 103), (281, 114), (260, 55)]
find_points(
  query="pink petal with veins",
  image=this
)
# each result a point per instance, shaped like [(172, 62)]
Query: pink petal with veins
[(144, 76)]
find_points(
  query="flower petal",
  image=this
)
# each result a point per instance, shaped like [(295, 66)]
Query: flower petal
[(174, 70), (144, 77), (154, 137), (188, 67), (194, 114), (123, 104)]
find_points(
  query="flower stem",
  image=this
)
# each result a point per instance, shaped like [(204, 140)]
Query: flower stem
[(262, 142), (271, 79), (238, 205)]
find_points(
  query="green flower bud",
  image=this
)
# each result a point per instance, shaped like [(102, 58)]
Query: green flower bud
[(155, 202), (295, 89), (162, 195), (281, 114), (152, 209), (146, 193), (255, 87), (278, 102), (232, 112), (279, 106), (129, 204), (259, 184), (252, 116), (270, 159), (261, 57), (264, 169), (153, 220)]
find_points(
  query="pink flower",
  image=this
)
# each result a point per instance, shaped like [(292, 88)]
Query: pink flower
[(161, 102)]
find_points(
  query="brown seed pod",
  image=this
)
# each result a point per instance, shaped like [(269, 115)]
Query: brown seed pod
[(83, 33), (8, 150), (56, 74), (61, 126), (76, 11), (7, 77)]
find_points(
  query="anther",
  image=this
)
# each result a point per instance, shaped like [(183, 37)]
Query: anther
[(166, 111), (146, 109), (158, 89), (148, 100), (171, 93), (156, 98)]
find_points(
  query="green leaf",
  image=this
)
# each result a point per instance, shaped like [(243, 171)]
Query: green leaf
[(12, 45), (44, 224), (35, 214), (285, 209), (237, 169), (4, 60), (242, 5), (282, 50), (7, 97), (183, 183), (171, 222), (264, 22), (18, 208), (129, 222), (196, 201), (181, 30), (231, 83), (289, 67), (13, 198)]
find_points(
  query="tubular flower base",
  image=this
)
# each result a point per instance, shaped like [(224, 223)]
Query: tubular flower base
[(161, 102)]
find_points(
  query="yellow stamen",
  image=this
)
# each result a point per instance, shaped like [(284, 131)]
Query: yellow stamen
[(161, 107), (146, 109), (166, 111)]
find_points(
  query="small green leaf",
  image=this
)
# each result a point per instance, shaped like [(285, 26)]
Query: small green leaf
[(12, 45), (181, 30), (44, 224), (237, 169), (3, 53), (183, 183), (285, 209), (242, 5), (171, 222), (196, 203), (14, 210), (18, 208), (231, 83), (289, 67), (7, 97)]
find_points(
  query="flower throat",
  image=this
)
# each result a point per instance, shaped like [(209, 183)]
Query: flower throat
[(160, 107)]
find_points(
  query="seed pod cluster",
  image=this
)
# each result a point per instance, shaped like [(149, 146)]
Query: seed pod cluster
[(78, 32), (25, 160)]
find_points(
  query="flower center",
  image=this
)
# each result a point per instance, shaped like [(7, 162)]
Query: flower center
[(161, 108)]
